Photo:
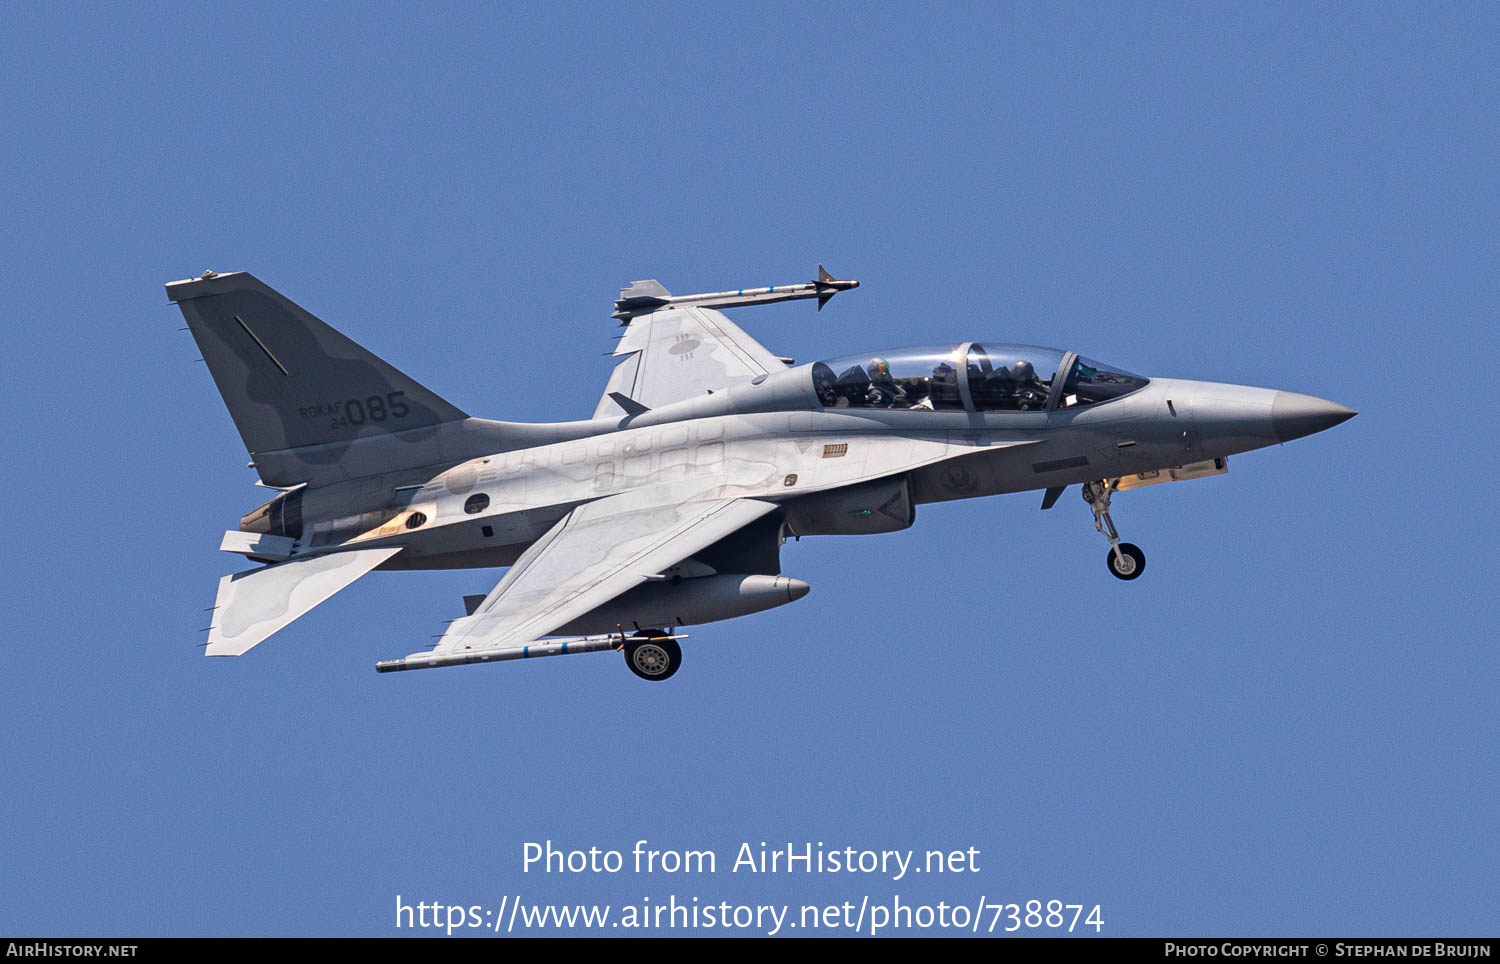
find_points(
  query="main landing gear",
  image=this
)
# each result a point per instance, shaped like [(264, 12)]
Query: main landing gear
[(652, 654), (1125, 561)]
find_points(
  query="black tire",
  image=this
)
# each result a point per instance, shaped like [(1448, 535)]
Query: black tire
[(1135, 562), (652, 659)]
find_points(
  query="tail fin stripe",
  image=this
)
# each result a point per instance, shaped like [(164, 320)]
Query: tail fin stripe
[(274, 360)]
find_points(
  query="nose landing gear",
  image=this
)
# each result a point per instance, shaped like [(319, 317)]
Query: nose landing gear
[(1125, 560)]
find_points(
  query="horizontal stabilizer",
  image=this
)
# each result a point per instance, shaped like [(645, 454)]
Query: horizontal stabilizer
[(254, 604)]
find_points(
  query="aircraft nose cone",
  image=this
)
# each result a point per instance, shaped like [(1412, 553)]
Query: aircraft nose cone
[(1294, 415), (796, 589)]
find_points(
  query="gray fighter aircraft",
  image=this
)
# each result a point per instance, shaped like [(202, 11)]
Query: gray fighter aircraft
[(669, 506)]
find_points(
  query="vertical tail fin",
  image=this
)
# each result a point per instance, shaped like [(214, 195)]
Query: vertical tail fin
[(292, 382)]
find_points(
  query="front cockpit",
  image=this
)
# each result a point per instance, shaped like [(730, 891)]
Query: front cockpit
[(970, 377)]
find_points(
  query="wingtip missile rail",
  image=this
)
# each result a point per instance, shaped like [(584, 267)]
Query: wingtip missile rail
[(546, 647), (643, 297)]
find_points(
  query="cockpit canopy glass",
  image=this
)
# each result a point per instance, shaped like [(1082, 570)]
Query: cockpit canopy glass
[(1090, 381), (1012, 378), (968, 377), (908, 378)]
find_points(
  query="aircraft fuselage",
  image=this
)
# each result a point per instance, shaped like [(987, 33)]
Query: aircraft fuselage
[(793, 457)]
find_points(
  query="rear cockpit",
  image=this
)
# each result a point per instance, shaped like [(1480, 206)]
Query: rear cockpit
[(969, 377)]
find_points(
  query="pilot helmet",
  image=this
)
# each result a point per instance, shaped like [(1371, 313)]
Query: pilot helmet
[(880, 368)]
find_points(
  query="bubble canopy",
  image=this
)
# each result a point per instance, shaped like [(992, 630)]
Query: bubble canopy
[(974, 376)]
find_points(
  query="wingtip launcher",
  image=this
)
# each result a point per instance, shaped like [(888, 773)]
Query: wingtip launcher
[(643, 297), (544, 647)]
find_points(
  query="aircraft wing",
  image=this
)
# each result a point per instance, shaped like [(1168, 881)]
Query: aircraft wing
[(674, 353), (596, 552)]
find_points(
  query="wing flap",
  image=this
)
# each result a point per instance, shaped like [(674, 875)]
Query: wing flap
[(252, 605)]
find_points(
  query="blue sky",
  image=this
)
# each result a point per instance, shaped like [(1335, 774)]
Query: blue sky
[(1287, 726)]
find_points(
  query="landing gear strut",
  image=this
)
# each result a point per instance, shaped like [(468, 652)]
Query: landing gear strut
[(1125, 561), (652, 655)]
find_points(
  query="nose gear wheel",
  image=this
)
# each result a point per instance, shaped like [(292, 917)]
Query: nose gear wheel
[(1125, 560)]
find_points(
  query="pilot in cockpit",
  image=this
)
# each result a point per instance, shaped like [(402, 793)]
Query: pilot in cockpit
[(884, 392), (1030, 391), (943, 390)]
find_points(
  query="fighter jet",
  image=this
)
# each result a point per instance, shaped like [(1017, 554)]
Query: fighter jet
[(668, 507)]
